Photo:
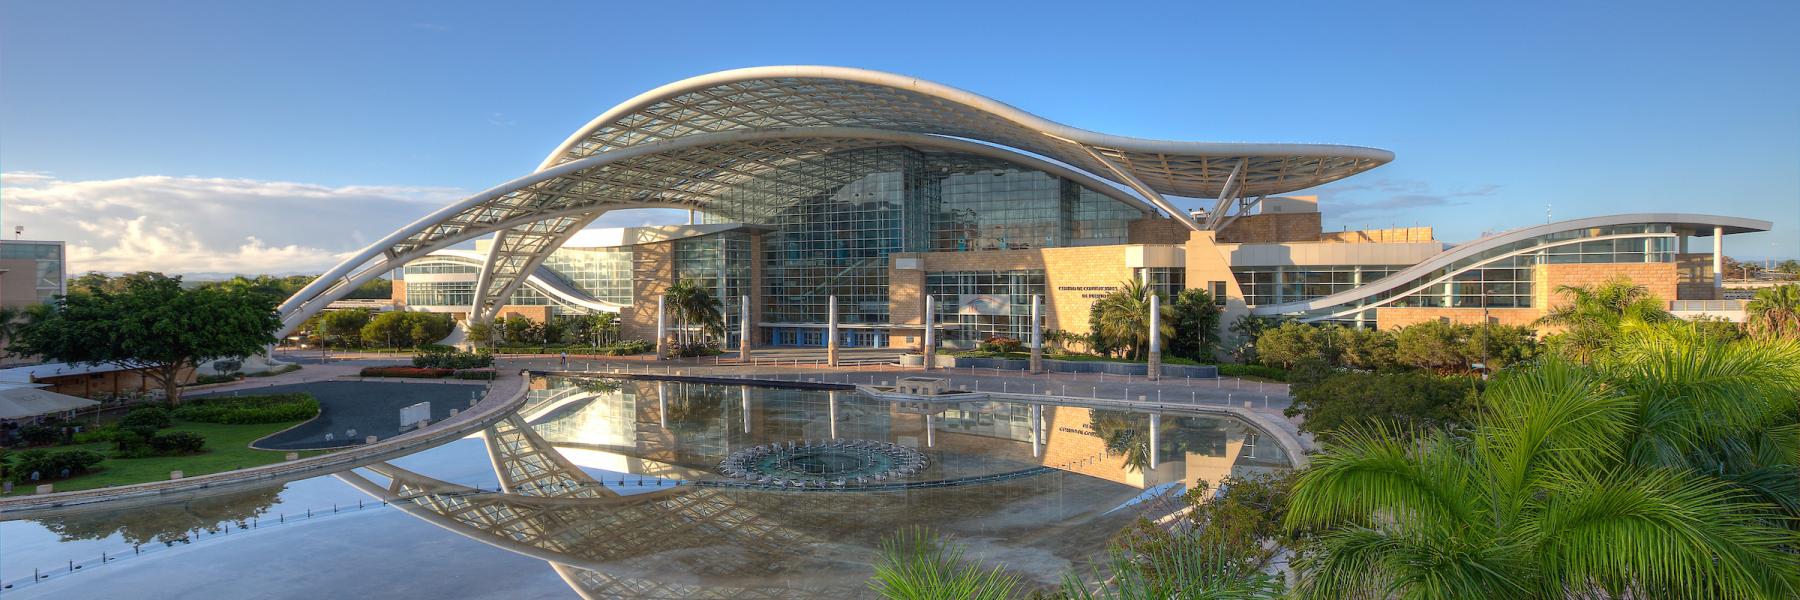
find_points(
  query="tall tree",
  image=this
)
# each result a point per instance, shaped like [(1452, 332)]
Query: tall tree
[(1196, 325), (153, 325), (694, 307), (1775, 312), (1121, 319)]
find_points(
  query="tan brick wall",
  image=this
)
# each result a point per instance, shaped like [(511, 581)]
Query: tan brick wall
[(1073, 279), (1206, 263), (18, 283), (1659, 278), (1157, 230), (1392, 317), (398, 295), (652, 272), (1379, 236), (1272, 228)]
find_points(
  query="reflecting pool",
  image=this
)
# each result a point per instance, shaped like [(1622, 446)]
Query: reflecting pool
[(638, 488)]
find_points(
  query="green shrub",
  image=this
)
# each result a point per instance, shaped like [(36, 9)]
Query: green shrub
[(50, 465), (1001, 344), (178, 442), (206, 379), (478, 374), (406, 372), (276, 371), (445, 357), (248, 410), (1230, 370), (38, 435), (146, 419)]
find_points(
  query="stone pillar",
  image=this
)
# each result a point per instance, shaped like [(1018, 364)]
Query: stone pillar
[(930, 334), (1037, 334), (1718, 263), (744, 344), (1155, 424), (662, 328), (1154, 371), (831, 331), (930, 431)]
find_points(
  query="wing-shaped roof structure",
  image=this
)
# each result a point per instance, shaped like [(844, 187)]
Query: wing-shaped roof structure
[(702, 141)]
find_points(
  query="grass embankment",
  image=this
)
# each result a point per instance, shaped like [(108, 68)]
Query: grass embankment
[(227, 448)]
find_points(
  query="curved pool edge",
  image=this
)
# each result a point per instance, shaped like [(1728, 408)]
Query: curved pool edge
[(497, 403)]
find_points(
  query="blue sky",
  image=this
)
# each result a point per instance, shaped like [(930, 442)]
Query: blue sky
[(295, 132)]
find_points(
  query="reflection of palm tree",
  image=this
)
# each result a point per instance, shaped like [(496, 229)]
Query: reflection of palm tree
[(1119, 430), (696, 406)]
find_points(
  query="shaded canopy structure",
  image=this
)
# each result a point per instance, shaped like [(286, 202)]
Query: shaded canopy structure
[(752, 138), (23, 402)]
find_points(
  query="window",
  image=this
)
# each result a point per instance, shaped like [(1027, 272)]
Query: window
[(1218, 291)]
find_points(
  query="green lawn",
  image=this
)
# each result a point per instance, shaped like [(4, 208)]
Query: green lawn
[(227, 448)]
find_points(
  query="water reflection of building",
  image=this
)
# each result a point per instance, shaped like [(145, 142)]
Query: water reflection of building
[(613, 538)]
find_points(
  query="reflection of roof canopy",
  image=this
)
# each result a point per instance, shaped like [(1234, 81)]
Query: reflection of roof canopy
[(738, 138)]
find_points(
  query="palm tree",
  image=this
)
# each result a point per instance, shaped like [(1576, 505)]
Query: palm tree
[(1775, 312), (692, 306), (1121, 319), (1594, 314), (1667, 473), (915, 565)]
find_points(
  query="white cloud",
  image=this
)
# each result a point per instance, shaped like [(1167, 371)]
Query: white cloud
[(208, 225), (214, 226)]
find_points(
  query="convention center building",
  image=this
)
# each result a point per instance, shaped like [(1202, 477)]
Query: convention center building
[(804, 184)]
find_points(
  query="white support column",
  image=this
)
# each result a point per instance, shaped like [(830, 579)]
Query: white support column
[(831, 332), (1037, 334), (744, 329), (930, 334), (1155, 438), (662, 328), (930, 431), (1718, 263), (1154, 370)]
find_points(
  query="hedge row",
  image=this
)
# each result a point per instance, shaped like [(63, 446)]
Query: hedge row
[(50, 465), (246, 410), (407, 372), (1231, 370)]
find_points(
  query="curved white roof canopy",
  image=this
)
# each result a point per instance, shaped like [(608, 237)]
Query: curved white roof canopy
[(693, 143), (823, 96), (1692, 224)]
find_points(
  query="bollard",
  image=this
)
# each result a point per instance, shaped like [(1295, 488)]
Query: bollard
[(45, 488), (174, 474), (369, 440), (293, 456)]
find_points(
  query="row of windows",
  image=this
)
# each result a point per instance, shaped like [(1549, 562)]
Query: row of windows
[(1279, 284), (17, 250), (433, 268), (1508, 282)]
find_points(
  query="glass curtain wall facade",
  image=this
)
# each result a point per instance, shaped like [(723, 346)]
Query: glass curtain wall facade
[(897, 199), (720, 263), (951, 291), (604, 273), (1167, 281), (1278, 284)]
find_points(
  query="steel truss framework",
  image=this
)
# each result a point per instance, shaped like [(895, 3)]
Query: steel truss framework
[(694, 142)]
